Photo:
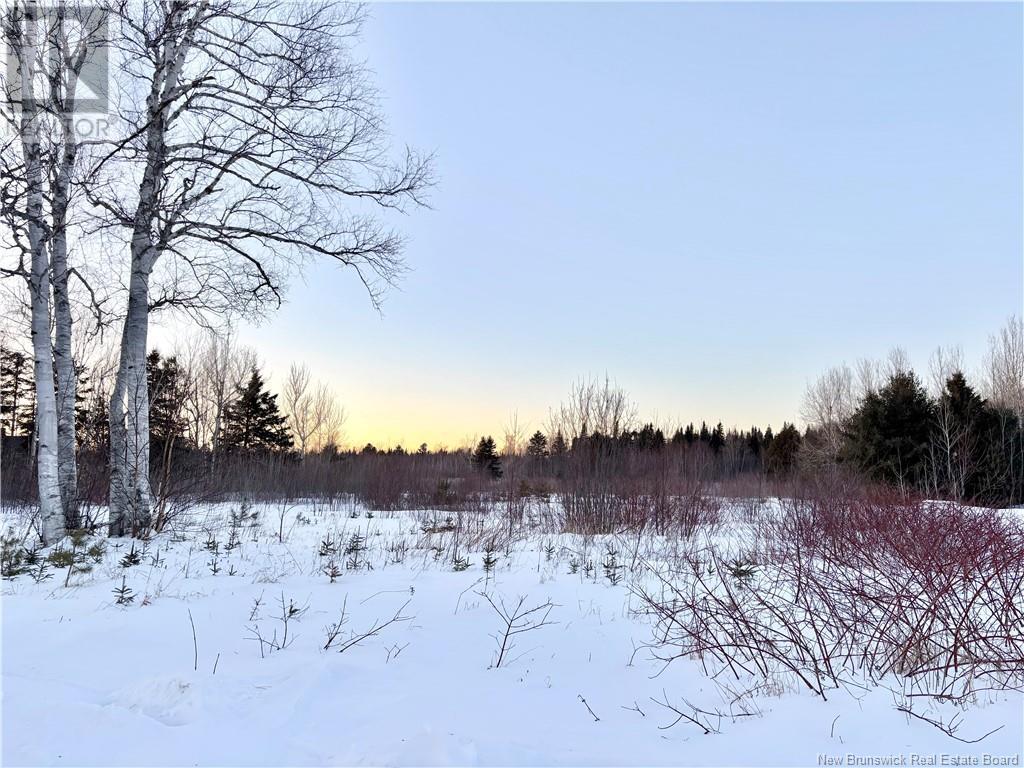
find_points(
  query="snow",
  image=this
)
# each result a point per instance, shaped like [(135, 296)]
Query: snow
[(89, 682)]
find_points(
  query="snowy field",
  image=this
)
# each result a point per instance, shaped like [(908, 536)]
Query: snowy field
[(328, 635)]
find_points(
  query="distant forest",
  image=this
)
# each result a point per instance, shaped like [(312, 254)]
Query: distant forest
[(218, 431)]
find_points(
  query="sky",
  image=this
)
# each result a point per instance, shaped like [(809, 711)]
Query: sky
[(709, 203)]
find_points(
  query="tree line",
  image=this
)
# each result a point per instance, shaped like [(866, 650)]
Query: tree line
[(217, 427)]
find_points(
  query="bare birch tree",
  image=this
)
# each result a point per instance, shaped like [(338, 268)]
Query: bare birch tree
[(1004, 368), (76, 32), (252, 142), (828, 403), (24, 211), (50, 49), (594, 405), (314, 416)]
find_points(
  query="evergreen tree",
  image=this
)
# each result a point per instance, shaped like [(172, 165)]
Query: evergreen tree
[(755, 442), (485, 457), (253, 422), (558, 446), (690, 435), (92, 418), (705, 436), (888, 437), (17, 393), (717, 439), (650, 439), (537, 448), (166, 393), (976, 447), (781, 453)]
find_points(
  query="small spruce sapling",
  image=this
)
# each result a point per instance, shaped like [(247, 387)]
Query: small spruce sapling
[(77, 558), (12, 557), (328, 546), (354, 550), (131, 557), (124, 593), (332, 571), (490, 560)]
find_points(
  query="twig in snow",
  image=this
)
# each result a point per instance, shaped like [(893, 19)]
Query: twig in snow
[(596, 718), (949, 728), (195, 643), (634, 708)]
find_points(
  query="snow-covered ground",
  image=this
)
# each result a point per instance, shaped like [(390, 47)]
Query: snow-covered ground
[(87, 681)]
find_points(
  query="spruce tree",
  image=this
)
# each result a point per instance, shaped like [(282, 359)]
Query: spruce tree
[(755, 442), (166, 392), (780, 455), (717, 439), (537, 448), (253, 422), (888, 437), (485, 457), (17, 393), (978, 447)]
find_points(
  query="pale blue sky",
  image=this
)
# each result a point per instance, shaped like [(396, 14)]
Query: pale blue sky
[(709, 202)]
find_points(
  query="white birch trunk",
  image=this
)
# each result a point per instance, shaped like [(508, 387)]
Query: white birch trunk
[(67, 385), (51, 511), (130, 491), (131, 496)]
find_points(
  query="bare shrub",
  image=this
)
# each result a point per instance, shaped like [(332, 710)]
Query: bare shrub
[(929, 594)]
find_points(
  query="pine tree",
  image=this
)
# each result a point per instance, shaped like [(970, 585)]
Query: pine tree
[(253, 422), (537, 448), (558, 446), (485, 457)]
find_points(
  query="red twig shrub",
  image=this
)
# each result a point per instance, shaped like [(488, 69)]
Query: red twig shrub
[(843, 590)]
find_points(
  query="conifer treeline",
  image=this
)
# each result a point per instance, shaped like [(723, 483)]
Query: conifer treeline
[(954, 445)]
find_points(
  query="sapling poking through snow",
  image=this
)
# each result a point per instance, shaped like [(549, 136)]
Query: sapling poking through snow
[(332, 571), (132, 557), (76, 559), (124, 593), (516, 621), (328, 546), (612, 568), (288, 611), (490, 561), (333, 631), (354, 550)]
